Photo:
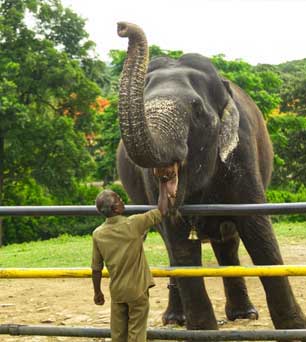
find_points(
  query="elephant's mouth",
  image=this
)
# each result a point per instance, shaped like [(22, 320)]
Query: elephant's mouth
[(168, 184)]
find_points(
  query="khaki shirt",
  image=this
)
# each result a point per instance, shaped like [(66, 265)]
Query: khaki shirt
[(119, 243)]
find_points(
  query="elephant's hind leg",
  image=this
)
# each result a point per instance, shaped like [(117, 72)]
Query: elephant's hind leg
[(238, 304), (259, 239)]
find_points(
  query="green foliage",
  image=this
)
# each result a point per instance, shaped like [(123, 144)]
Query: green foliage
[(263, 86), (100, 73), (28, 192), (54, 147), (288, 134), (118, 188), (117, 61), (156, 51), (47, 92), (106, 143), (285, 196), (293, 90), (63, 27), (36, 84)]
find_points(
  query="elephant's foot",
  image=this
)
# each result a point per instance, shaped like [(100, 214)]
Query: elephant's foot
[(170, 317), (174, 313), (241, 312), (292, 320)]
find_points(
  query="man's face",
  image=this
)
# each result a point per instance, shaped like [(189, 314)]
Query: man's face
[(118, 205)]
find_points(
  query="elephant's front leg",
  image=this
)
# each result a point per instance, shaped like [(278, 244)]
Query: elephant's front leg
[(174, 313), (238, 304), (196, 304), (259, 239)]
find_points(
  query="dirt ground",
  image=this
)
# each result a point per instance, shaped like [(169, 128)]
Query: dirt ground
[(68, 302)]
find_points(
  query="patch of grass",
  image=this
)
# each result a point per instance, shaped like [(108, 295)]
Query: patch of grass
[(155, 250), (290, 231), (64, 251), (75, 251)]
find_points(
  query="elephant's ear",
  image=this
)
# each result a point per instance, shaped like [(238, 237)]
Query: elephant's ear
[(228, 136)]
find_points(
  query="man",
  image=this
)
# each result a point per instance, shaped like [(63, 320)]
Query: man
[(118, 243)]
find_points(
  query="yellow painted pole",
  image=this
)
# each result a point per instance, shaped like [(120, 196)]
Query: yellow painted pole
[(228, 271)]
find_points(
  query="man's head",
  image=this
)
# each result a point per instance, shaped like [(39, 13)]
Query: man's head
[(109, 203)]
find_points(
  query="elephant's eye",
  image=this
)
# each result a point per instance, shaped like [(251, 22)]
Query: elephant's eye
[(197, 108), (147, 80)]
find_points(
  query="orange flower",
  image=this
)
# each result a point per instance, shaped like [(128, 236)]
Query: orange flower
[(100, 104)]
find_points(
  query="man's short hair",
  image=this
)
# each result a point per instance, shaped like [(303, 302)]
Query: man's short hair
[(105, 202)]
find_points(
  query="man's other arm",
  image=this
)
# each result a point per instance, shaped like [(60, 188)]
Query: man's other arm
[(96, 275)]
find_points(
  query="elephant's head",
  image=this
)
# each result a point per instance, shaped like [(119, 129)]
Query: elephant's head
[(174, 114)]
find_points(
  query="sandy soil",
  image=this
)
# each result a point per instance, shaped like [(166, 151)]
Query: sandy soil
[(68, 302)]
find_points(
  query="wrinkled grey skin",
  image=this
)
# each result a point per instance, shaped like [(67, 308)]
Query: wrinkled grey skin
[(181, 111)]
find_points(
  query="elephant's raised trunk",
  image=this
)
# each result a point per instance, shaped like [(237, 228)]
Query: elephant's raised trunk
[(151, 131), (136, 135), (134, 130)]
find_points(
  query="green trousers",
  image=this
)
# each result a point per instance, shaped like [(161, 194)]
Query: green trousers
[(129, 320)]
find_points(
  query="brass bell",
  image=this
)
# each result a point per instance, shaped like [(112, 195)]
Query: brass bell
[(193, 235)]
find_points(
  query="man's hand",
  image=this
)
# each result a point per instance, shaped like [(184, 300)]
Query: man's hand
[(99, 298), (96, 280)]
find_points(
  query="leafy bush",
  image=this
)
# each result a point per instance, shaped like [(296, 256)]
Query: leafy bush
[(118, 188), (288, 134), (106, 143), (29, 228), (284, 196), (262, 85)]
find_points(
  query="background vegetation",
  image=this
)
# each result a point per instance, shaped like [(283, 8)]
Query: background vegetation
[(75, 251), (59, 125)]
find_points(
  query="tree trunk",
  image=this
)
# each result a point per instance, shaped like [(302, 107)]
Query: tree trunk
[(1, 184)]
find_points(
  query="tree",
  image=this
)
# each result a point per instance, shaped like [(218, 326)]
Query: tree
[(46, 96), (288, 134), (293, 88), (106, 143), (263, 86)]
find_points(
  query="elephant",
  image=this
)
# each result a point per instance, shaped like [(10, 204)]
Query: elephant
[(202, 139)]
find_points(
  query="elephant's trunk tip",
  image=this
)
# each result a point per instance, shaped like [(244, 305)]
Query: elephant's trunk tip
[(125, 29), (122, 29)]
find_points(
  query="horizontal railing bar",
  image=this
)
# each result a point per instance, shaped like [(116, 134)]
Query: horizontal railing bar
[(190, 209), (157, 334), (162, 272)]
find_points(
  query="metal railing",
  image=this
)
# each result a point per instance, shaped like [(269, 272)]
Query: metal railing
[(158, 334), (162, 272), (192, 209), (165, 334)]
